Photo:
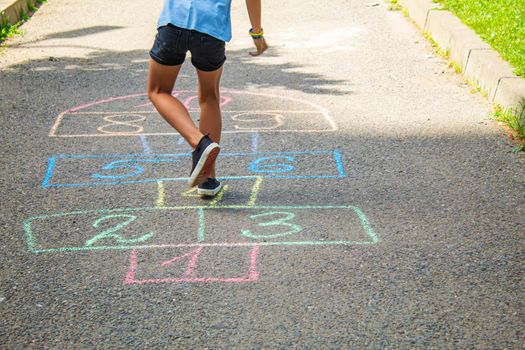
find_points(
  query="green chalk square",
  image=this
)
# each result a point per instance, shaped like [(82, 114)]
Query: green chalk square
[(263, 216), (287, 225), (126, 228)]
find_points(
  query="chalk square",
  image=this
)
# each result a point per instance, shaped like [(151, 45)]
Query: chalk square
[(123, 169), (110, 123), (148, 123), (78, 229), (113, 229), (286, 226), (243, 111), (194, 265)]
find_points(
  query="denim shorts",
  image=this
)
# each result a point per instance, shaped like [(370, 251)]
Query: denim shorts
[(172, 43)]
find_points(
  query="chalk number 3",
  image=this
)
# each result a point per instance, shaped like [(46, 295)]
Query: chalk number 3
[(282, 220)]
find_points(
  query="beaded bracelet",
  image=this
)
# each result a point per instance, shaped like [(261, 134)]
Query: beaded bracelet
[(256, 35)]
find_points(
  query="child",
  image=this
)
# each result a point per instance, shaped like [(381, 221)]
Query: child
[(201, 27)]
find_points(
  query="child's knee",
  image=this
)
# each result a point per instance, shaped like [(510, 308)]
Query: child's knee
[(151, 94), (154, 92), (209, 97)]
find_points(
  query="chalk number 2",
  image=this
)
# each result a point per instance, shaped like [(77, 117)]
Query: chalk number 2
[(282, 220), (110, 232)]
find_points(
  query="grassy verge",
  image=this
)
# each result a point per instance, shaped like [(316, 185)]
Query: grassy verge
[(394, 6), (501, 23), (8, 30), (515, 120)]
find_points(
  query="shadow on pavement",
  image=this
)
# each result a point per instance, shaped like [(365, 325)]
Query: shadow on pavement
[(80, 32), (130, 69)]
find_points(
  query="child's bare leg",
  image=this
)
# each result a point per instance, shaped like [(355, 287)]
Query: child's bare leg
[(210, 104), (161, 80)]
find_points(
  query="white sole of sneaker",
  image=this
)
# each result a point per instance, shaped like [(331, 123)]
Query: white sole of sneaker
[(203, 167), (209, 193)]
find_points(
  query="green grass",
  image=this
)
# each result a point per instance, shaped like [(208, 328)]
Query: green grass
[(501, 23), (514, 119), (394, 6), (8, 30)]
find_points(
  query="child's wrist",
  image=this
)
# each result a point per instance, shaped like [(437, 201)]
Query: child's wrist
[(256, 33)]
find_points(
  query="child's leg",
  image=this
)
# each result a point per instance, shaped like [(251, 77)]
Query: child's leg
[(210, 104), (161, 80)]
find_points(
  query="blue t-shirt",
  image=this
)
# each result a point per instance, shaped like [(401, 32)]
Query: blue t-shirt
[(206, 16)]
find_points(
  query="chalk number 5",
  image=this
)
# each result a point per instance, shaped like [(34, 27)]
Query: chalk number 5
[(282, 220)]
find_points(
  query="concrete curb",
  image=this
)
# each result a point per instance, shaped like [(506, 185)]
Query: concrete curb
[(479, 63), (10, 11)]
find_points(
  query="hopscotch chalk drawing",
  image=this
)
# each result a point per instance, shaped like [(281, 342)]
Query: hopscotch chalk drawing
[(185, 267), (243, 112), (184, 246), (93, 170), (257, 225)]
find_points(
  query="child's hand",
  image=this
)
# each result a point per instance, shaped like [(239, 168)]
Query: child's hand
[(259, 41), (260, 45)]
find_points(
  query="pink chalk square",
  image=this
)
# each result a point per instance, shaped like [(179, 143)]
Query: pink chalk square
[(198, 264)]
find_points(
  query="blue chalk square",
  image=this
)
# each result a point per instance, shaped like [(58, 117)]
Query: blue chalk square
[(121, 169)]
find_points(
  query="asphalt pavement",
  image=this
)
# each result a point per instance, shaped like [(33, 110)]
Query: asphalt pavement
[(370, 201)]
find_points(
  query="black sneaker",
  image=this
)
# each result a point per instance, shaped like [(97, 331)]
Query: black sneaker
[(209, 188), (203, 158)]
